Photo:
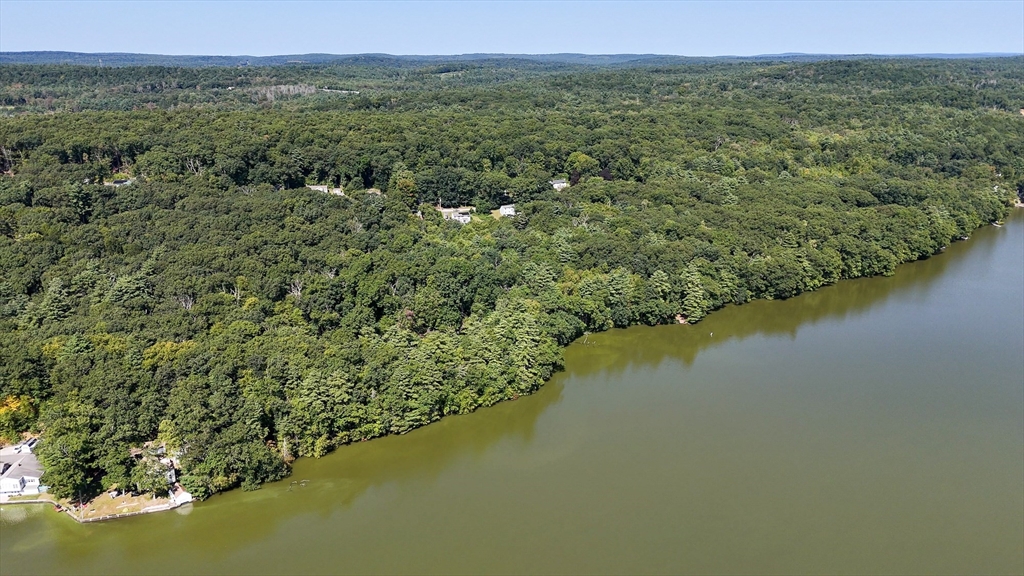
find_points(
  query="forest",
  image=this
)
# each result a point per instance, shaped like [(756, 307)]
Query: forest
[(167, 274)]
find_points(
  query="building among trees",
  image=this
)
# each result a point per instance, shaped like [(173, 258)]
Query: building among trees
[(460, 214), (559, 184), (20, 470)]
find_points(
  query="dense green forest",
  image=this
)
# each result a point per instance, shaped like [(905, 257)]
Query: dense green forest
[(215, 303)]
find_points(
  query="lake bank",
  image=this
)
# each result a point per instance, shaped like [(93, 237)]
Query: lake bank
[(163, 505), (869, 427), (103, 508)]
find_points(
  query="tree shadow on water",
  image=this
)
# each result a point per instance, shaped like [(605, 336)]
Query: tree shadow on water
[(617, 350), (229, 523)]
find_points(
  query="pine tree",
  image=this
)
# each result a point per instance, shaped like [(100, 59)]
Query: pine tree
[(695, 299)]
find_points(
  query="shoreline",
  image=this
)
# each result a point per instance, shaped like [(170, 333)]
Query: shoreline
[(161, 505), (172, 504), (674, 322)]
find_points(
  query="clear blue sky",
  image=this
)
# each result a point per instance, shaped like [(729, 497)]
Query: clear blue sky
[(425, 27)]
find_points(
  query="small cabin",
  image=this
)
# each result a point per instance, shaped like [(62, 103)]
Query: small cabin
[(508, 210), (559, 184)]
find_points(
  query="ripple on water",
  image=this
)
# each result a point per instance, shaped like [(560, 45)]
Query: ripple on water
[(10, 515)]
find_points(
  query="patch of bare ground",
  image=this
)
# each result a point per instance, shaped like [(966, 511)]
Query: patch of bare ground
[(104, 505)]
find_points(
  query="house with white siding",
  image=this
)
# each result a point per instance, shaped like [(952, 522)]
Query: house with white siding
[(20, 470), (460, 214)]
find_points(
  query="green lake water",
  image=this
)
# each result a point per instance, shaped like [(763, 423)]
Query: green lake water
[(875, 426)]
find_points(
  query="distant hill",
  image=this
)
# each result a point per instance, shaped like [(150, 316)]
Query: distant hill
[(130, 59)]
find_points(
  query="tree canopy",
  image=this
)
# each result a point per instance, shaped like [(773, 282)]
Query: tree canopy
[(214, 302)]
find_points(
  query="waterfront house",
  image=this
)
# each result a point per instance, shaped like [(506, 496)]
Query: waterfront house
[(20, 470), (178, 495)]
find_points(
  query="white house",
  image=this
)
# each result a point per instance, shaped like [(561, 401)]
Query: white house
[(179, 496), (460, 214), (326, 189), (507, 210), (20, 470), (559, 184)]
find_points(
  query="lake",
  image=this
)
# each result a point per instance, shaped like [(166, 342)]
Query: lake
[(875, 426)]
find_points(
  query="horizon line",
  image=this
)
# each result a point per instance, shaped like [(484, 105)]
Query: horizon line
[(120, 53)]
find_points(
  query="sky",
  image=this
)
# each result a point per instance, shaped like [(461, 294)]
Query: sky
[(688, 28)]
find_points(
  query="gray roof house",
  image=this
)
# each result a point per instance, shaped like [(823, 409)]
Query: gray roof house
[(20, 470)]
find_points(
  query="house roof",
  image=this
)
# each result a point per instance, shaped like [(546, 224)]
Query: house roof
[(24, 465), (18, 449), (459, 210)]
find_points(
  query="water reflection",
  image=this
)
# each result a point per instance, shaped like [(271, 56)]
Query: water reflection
[(219, 527), (615, 352)]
